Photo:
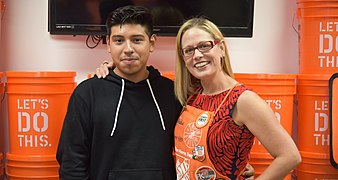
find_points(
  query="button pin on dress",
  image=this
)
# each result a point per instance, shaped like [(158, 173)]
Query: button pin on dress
[(202, 120), (198, 153)]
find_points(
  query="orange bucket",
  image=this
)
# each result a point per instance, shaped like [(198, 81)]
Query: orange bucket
[(32, 167), (318, 30), (278, 91), (170, 75), (314, 128), (37, 104)]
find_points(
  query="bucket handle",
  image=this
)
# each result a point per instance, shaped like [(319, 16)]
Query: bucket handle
[(3, 96), (293, 23), (5, 173)]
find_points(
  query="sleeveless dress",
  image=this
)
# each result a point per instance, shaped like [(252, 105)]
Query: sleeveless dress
[(216, 149)]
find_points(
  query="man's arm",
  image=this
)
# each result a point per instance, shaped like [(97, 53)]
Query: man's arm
[(73, 153)]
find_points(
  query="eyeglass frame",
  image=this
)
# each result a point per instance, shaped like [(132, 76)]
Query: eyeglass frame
[(213, 44)]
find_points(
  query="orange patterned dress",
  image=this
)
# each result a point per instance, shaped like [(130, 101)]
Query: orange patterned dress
[(212, 149)]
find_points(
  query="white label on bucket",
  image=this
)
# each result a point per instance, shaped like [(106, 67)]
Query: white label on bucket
[(274, 104), (321, 105), (32, 103), (328, 43), (321, 123), (328, 26), (328, 61), (33, 140), (32, 122)]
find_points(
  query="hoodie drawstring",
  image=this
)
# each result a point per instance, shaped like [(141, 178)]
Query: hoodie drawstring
[(119, 105), (118, 108), (157, 106)]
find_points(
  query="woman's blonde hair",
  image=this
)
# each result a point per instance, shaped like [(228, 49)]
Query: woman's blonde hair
[(185, 83)]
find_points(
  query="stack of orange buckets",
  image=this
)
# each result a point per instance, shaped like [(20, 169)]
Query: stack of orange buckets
[(318, 48), (37, 104)]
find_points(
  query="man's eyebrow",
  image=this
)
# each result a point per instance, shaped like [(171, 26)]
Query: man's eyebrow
[(116, 36), (138, 35), (133, 36)]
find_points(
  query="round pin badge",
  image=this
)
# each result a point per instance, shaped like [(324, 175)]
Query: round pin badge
[(205, 173), (202, 120)]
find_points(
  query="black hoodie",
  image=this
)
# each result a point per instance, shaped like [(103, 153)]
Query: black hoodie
[(119, 130)]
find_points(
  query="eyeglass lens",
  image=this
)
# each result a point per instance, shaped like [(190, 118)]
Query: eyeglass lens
[(202, 47)]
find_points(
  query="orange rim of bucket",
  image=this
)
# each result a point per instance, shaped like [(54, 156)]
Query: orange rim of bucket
[(31, 177), (316, 12), (40, 77), (170, 75), (40, 74), (316, 80), (312, 77), (316, 163), (274, 81), (53, 82), (266, 76), (287, 79), (30, 158), (32, 167), (314, 155)]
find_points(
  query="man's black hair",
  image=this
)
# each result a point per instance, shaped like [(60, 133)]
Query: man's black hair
[(130, 15)]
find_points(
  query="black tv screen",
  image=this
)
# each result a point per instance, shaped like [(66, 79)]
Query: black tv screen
[(87, 17)]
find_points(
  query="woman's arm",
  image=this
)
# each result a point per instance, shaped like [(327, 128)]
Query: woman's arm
[(253, 112), (103, 70)]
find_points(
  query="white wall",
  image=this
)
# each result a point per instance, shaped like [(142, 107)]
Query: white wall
[(26, 44)]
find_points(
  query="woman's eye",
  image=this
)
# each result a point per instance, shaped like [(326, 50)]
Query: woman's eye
[(188, 50), (204, 46)]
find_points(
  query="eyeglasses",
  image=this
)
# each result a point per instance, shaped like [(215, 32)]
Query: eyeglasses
[(202, 47)]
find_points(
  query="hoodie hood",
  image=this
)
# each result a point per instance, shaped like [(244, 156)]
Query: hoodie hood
[(153, 74), (126, 84)]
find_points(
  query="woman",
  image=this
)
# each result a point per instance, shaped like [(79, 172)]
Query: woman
[(221, 117)]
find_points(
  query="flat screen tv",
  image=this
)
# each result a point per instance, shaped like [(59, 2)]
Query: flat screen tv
[(87, 17)]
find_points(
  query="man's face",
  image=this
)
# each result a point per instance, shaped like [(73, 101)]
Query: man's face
[(130, 48)]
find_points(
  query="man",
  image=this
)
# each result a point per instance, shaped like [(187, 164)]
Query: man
[(122, 127)]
